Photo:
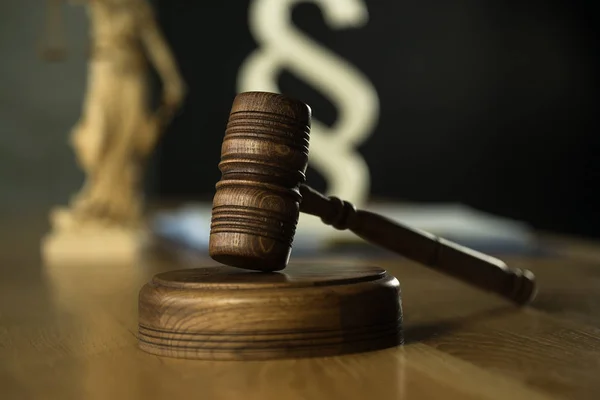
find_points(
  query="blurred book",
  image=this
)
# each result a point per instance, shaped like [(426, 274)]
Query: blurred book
[(189, 226)]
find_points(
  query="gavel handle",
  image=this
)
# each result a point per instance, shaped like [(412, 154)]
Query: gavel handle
[(475, 268)]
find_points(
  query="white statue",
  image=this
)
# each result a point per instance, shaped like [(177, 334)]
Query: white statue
[(118, 129)]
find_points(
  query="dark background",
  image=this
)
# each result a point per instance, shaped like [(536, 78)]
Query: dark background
[(489, 103)]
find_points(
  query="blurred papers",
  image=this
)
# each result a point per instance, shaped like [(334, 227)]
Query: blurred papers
[(190, 227)]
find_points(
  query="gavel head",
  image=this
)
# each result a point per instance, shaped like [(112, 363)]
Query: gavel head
[(257, 201)]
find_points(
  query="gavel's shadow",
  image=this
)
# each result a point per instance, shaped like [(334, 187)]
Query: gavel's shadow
[(419, 333)]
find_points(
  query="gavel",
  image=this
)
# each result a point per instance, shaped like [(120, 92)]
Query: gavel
[(262, 190)]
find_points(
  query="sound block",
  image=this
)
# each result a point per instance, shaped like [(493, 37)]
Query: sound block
[(225, 313)]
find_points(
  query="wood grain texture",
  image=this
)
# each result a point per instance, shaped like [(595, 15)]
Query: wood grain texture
[(224, 313), (70, 332), (263, 159), (477, 269)]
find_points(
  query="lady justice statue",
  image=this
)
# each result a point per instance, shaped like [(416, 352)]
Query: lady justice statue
[(118, 129)]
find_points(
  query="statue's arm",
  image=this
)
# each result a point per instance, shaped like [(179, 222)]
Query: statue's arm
[(161, 57)]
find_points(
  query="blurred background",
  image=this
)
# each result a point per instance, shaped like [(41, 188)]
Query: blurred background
[(488, 104)]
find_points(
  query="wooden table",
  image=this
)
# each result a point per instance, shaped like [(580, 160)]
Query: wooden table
[(69, 332)]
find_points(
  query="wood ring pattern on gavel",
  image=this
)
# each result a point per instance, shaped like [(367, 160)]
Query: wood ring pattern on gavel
[(264, 157)]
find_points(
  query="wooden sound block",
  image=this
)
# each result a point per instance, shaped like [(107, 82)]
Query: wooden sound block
[(225, 313)]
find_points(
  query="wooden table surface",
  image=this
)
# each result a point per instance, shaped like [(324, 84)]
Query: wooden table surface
[(69, 332)]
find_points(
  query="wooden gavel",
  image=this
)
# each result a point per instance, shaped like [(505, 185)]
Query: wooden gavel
[(264, 157)]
